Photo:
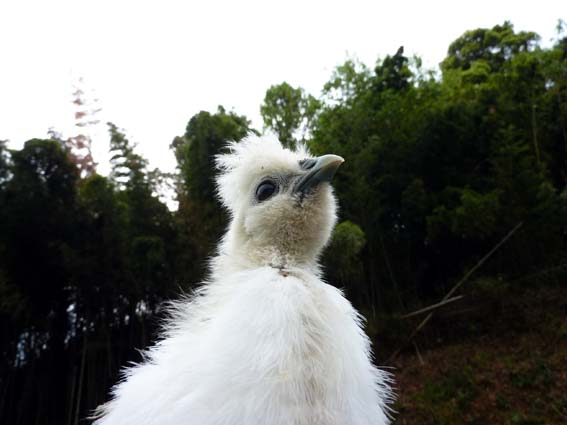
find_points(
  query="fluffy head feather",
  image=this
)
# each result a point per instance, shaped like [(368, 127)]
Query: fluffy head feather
[(286, 230)]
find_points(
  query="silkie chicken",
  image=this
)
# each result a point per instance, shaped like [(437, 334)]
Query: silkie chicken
[(264, 341)]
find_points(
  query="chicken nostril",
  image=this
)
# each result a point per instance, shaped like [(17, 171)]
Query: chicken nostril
[(307, 163)]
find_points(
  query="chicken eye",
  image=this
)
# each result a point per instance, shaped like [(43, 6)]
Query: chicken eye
[(265, 190)]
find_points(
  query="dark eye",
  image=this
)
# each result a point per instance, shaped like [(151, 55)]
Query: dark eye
[(265, 190)]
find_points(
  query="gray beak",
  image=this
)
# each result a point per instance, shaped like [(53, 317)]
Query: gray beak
[(323, 170)]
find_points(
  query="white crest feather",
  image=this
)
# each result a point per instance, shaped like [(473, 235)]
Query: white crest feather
[(242, 157)]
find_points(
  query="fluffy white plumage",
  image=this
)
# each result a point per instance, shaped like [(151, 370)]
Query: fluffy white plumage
[(265, 341)]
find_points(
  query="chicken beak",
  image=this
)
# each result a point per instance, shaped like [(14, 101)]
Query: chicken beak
[(323, 171)]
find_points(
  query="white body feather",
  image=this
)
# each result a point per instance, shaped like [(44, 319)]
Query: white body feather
[(265, 341)]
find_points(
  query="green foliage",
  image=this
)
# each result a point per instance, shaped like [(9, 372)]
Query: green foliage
[(285, 109), (494, 46), (459, 386), (206, 134), (531, 375), (348, 238), (393, 73), (438, 170), (80, 260), (475, 216), (127, 166), (200, 218), (36, 222), (342, 256), (347, 82)]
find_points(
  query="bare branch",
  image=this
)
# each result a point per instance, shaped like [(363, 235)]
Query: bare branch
[(432, 307)]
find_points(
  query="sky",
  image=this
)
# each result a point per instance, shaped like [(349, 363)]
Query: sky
[(152, 65)]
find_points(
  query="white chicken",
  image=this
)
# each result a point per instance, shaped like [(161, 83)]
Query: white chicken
[(264, 341)]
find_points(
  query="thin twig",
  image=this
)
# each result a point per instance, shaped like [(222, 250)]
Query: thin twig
[(432, 307), (455, 288), (421, 362)]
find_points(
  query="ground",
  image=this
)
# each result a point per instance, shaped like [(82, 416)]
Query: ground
[(499, 358)]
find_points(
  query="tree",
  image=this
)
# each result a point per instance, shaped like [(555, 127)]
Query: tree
[(38, 220), (393, 72), (348, 81), (554, 103), (286, 109), (4, 164), (205, 136), (149, 220), (492, 46), (127, 167), (200, 215), (79, 146), (438, 170), (38, 224)]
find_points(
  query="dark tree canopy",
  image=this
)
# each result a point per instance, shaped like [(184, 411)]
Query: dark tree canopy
[(201, 218)]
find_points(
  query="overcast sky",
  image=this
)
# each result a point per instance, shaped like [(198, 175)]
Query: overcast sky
[(153, 65)]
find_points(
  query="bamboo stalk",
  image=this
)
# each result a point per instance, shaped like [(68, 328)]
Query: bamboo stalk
[(534, 133), (72, 395), (81, 376)]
